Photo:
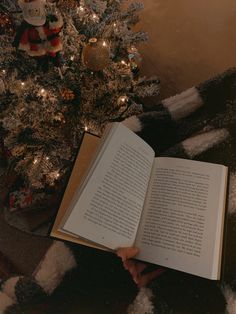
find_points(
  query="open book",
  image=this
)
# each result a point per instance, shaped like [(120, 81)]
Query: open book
[(120, 195)]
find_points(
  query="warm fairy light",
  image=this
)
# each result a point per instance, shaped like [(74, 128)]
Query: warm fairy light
[(104, 44), (4, 71), (80, 9), (94, 16), (22, 83), (122, 99), (86, 128), (72, 58), (57, 175), (35, 161), (43, 92), (47, 158), (114, 24), (123, 62)]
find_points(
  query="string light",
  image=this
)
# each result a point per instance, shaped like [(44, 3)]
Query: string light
[(43, 92), (115, 27), (122, 100), (22, 83), (104, 44), (81, 8), (86, 128), (95, 17), (35, 161), (47, 158), (123, 62), (72, 58), (132, 48), (4, 71), (57, 175)]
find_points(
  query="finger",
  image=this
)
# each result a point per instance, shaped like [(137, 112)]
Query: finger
[(135, 268), (126, 253), (128, 264), (145, 279), (140, 267), (131, 267)]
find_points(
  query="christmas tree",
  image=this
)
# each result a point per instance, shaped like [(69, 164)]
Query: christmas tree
[(48, 100)]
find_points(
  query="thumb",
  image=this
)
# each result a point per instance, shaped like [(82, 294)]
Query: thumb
[(127, 253)]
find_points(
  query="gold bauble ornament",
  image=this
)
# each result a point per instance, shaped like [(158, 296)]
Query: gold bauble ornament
[(96, 55)]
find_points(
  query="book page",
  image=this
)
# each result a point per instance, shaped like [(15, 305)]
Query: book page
[(108, 208), (182, 222)]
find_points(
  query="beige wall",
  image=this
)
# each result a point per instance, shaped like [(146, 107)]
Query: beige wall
[(190, 40)]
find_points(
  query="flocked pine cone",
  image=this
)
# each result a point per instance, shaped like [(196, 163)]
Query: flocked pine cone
[(67, 94)]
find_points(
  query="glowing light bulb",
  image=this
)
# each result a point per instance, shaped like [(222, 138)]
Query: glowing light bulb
[(114, 24), (22, 83), (72, 58), (47, 158), (122, 99), (94, 16), (35, 161), (86, 128), (42, 91), (4, 71), (123, 62), (104, 44), (57, 175)]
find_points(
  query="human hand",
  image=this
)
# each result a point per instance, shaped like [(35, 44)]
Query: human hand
[(137, 268)]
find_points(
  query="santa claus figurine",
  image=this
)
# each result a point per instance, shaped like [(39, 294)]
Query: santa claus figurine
[(38, 34)]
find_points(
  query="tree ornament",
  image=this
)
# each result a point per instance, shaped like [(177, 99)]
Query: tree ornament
[(67, 94), (6, 24), (38, 34), (96, 55), (135, 59), (20, 200), (33, 11), (59, 118)]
